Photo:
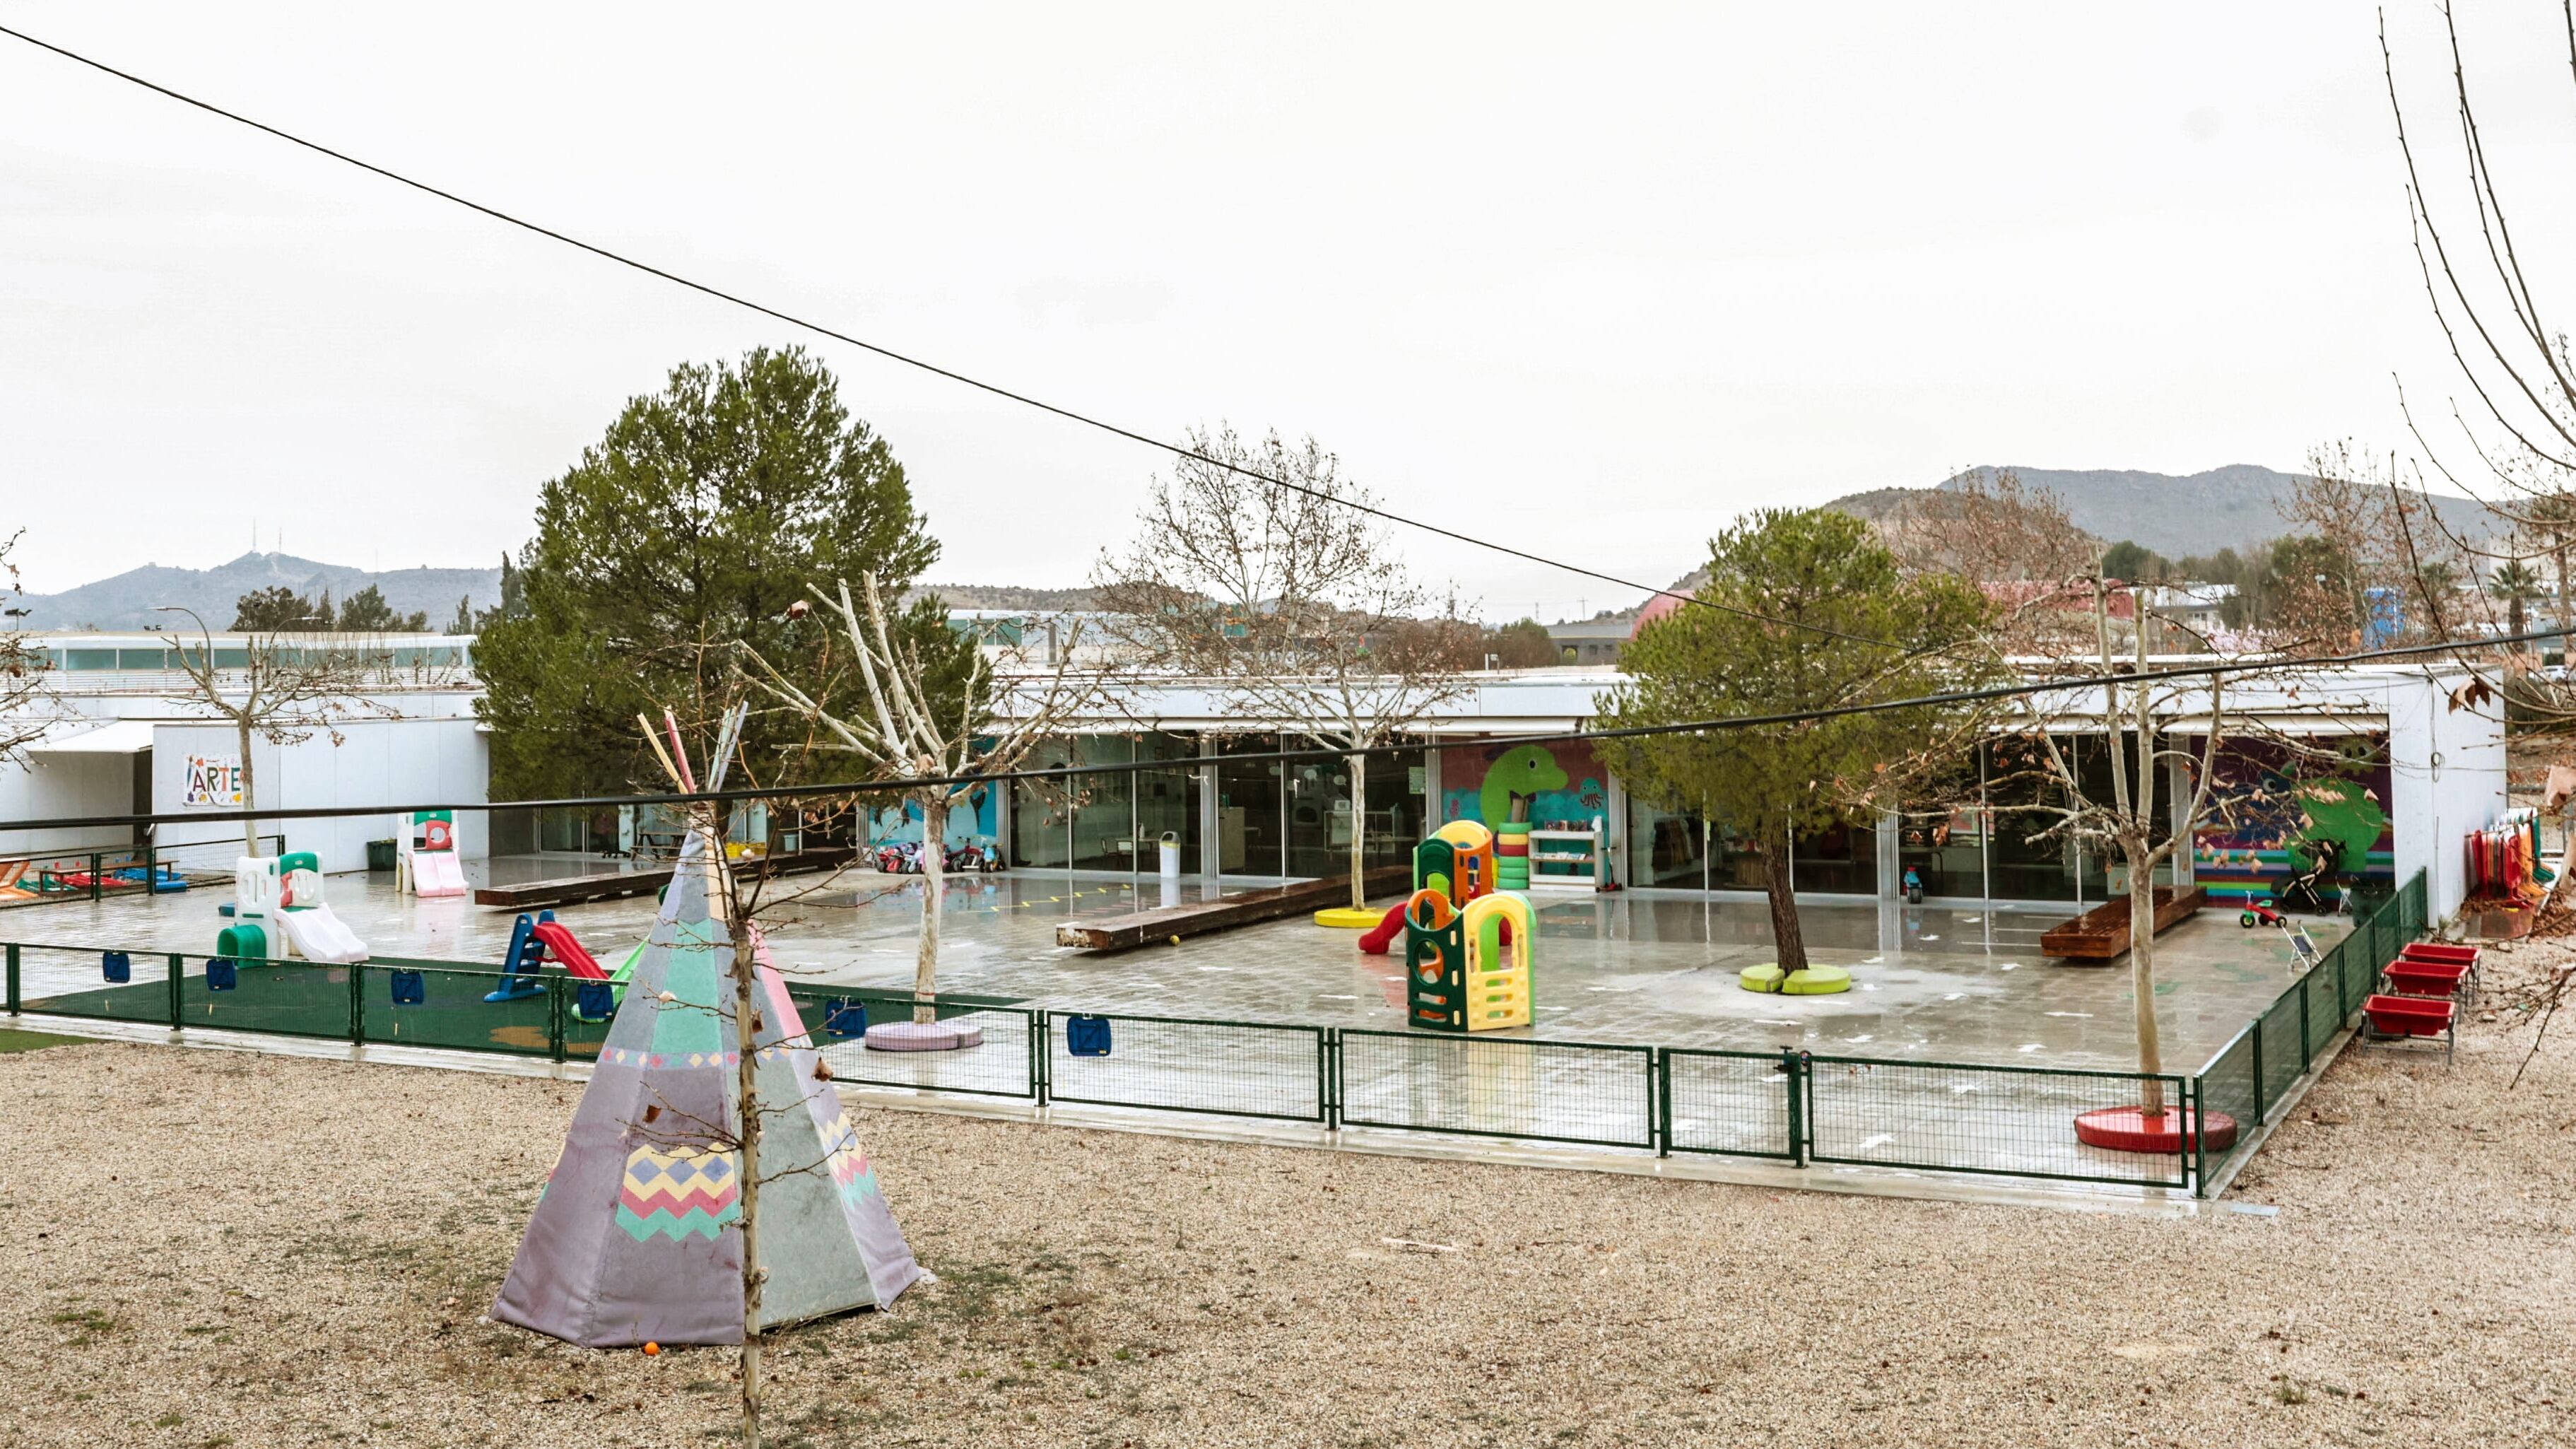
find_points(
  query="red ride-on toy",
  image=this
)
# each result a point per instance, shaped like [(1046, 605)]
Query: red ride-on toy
[(2259, 913)]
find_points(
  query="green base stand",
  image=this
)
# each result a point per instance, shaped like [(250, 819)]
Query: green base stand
[(1805, 981)]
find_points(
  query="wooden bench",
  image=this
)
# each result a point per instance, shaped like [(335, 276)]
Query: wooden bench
[(1242, 908), (2102, 933)]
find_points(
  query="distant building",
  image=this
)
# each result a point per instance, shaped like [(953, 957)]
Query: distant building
[(1592, 642)]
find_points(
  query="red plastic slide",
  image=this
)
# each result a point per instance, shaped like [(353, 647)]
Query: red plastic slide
[(576, 961), (1381, 934)]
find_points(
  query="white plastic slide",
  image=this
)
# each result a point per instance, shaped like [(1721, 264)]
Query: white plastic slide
[(322, 937), (437, 873)]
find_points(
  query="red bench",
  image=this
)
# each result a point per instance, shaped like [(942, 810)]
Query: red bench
[(2395, 1018)]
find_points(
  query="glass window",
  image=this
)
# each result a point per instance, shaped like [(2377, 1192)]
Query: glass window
[(2022, 792), (141, 659), (232, 659), (1838, 860), (1733, 865), (1042, 810), (1665, 846), (1104, 821), (90, 659), (1167, 801), (1398, 808), (1250, 829)]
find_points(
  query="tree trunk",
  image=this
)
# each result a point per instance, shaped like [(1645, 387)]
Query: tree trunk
[(1786, 937), (934, 871), (746, 1128), (2142, 970), (2513, 615), (250, 796), (1359, 830)]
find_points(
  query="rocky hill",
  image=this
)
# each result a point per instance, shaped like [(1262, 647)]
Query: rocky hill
[(127, 601), (2231, 507)]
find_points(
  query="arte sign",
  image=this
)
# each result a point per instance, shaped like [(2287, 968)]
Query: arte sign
[(214, 783)]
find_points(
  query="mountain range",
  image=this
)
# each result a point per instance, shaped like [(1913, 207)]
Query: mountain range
[(129, 600), (2236, 507)]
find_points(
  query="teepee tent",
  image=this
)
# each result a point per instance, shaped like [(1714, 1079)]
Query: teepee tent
[(635, 1238)]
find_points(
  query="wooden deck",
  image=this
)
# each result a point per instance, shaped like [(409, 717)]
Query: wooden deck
[(573, 890), (2101, 935), (1244, 908)]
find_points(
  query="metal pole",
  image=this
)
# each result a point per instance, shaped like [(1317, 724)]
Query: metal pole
[(358, 1005), (13, 978), (555, 1015), (178, 968)]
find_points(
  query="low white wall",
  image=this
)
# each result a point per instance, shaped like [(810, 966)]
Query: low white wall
[(375, 762)]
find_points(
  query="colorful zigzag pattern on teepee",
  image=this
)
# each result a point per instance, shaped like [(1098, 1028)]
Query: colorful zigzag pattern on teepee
[(677, 1193), (850, 1170)]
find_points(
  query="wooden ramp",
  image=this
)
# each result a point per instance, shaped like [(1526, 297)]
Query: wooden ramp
[(2101, 935), (616, 885), (1242, 908)]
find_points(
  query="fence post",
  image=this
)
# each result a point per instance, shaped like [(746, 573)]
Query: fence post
[(1794, 1069), (96, 889), (2307, 1039), (178, 966), (2258, 1067), (1042, 1042), (1323, 1076), (1659, 1067), (2196, 1138), (1333, 1074), (555, 1015), (358, 1004), (13, 978)]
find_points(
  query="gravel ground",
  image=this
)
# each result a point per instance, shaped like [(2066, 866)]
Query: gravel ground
[(207, 1249)]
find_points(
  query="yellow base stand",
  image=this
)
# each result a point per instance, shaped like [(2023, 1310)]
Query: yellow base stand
[(1805, 981), (1347, 919)]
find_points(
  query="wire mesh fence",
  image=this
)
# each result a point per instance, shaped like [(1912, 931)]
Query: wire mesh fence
[(1740, 1104), (1498, 1087), (1941, 1117), (1003, 1063), (1235, 1069), (421, 1004), (85, 981), (1959, 1118)]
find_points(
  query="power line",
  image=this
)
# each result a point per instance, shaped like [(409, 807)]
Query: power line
[(1188, 763), (908, 360)]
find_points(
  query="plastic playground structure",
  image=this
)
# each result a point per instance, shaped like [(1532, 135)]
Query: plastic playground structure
[(283, 894), (425, 859), (1467, 941), (532, 939)]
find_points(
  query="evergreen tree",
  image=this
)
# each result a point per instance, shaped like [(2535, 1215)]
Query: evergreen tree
[(684, 533)]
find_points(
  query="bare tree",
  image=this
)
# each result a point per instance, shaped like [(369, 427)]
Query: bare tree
[(2511, 440), (2016, 541), (1293, 603), (282, 689), (22, 669), (926, 724)]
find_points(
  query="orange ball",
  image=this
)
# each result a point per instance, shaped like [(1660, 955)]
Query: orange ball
[(651, 1349)]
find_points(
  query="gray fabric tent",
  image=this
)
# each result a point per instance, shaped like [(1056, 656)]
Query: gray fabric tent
[(635, 1238)]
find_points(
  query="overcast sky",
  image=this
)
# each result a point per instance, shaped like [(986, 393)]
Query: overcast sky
[(1589, 280)]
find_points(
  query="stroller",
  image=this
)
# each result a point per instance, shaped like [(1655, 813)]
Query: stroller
[(2306, 890)]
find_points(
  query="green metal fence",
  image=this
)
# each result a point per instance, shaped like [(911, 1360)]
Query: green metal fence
[(1790, 1107), (2251, 1077)]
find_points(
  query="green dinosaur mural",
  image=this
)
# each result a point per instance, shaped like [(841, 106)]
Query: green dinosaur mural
[(1521, 774)]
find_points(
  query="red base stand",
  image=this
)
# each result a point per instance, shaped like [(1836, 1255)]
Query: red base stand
[(2126, 1129)]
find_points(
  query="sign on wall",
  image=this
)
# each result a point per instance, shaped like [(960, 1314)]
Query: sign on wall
[(214, 782)]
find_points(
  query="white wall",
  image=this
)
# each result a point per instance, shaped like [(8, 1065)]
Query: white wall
[(2447, 771), (376, 762), (47, 787)]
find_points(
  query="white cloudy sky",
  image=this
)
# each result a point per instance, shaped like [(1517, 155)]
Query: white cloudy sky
[(1589, 280)]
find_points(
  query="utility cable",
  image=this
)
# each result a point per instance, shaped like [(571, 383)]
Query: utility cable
[(907, 360)]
